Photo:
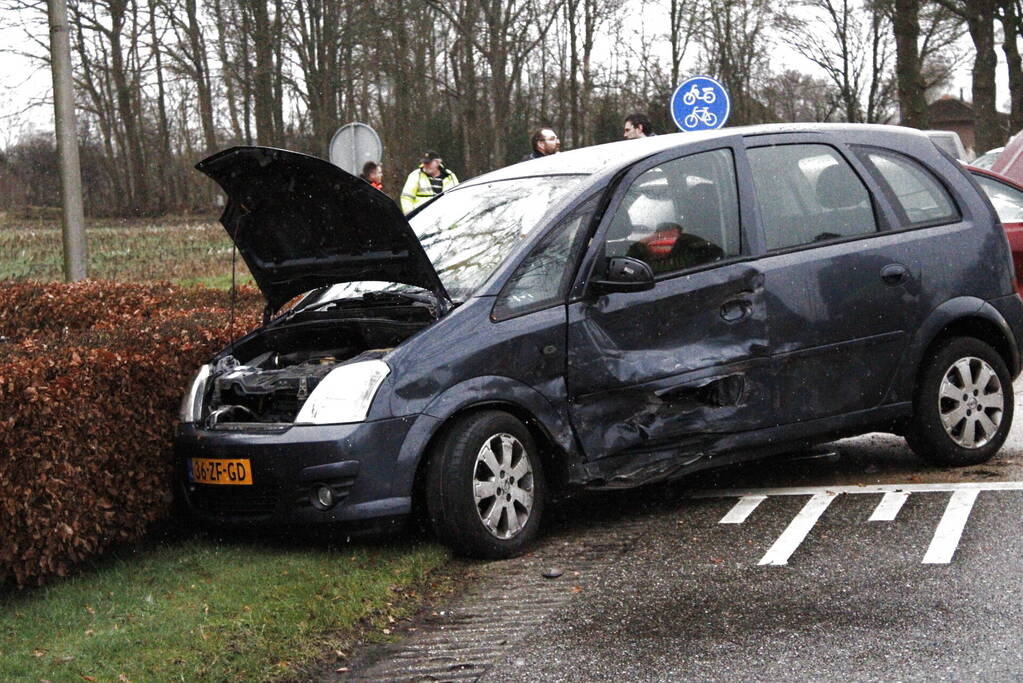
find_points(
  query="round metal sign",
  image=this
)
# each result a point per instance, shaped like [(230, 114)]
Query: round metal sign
[(700, 103), (353, 145)]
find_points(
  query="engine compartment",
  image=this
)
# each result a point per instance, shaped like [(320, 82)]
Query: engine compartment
[(265, 378)]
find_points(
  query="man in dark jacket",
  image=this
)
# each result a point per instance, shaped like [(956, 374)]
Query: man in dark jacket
[(544, 142), (637, 126)]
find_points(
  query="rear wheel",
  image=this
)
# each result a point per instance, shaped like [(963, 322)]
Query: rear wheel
[(485, 487), (963, 406)]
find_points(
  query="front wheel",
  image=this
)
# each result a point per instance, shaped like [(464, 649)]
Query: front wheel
[(485, 488), (963, 405)]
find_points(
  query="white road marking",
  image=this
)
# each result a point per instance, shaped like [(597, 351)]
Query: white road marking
[(798, 528), (874, 488), (889, 506), (950, 528), (741, 510), (943, 545)]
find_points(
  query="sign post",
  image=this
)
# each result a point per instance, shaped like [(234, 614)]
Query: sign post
[(353, 145), (700, 103)]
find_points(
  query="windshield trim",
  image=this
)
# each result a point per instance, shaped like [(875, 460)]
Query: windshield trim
[(481, 180)]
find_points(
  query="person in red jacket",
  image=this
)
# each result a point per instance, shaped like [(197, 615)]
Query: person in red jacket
[(373, 173)]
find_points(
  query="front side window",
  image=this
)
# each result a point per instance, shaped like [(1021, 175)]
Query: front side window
[(681, 214), (1008, 201), (808, 194), (919, 195), (543, 278)]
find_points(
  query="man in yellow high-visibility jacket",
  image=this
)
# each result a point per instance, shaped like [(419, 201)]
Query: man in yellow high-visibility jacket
[(427, 181)]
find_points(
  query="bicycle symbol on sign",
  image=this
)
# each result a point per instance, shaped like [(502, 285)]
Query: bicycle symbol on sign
[(694, 95), (700, 103), (701, 115)]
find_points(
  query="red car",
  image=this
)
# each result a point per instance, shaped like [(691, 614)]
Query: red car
[(1007, 197)]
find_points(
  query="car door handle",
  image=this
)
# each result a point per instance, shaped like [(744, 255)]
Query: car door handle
[(894, 274), (735, 310)]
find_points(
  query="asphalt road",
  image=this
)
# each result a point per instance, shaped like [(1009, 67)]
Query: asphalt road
[(717, 579)]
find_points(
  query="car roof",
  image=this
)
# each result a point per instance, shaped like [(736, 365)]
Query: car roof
[(615, 155)]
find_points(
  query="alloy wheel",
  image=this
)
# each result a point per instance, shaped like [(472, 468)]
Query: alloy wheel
[(503, 485), (971, 402)]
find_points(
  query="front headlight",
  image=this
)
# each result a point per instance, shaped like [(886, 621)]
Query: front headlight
[(191, 403), (345, 394)]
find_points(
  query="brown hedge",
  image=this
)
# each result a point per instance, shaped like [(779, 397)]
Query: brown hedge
[(91, 375), (29, 308)]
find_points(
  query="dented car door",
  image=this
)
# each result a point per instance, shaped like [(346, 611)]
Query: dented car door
[(648, 370)]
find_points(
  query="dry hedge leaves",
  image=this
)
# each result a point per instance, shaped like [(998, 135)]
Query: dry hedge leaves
[(91, 374)]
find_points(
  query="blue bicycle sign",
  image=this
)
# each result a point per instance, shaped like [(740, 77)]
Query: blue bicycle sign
[(700, 103)]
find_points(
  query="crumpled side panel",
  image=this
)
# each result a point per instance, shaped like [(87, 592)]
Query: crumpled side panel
[(663, 412), (689, 357)]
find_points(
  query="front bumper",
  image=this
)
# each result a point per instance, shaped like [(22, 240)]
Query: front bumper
[(359, 461)]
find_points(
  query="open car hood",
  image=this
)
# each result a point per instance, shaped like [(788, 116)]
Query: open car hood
[(301, 222)]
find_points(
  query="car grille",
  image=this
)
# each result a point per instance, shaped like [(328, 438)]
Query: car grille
[(235, 501)]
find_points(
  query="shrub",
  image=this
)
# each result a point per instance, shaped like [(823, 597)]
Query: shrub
[(90, 379), (28, 308)]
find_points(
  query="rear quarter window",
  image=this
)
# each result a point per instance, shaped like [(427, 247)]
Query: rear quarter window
[(919, 197)]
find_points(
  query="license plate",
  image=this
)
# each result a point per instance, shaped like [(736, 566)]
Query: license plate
[(211, 471)]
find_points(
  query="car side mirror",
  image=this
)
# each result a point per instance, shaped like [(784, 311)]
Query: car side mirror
[(624, 274)]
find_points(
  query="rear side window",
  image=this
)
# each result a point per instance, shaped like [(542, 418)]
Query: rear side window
[(808, 194), (920, 198), (681, 214)]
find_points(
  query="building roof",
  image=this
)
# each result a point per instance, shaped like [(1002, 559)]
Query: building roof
[(948, 109)]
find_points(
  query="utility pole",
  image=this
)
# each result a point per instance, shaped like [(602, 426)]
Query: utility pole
[(67, 143)]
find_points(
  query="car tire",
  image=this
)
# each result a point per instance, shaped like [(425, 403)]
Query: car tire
[(963, 406), (485, 487)]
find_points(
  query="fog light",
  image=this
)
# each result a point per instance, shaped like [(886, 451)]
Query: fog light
[(324, 496)]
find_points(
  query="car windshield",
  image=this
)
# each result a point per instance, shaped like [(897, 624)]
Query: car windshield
[(467, 232)]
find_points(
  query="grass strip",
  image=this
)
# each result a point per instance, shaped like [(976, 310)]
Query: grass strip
[(199, 608), (184, 252)]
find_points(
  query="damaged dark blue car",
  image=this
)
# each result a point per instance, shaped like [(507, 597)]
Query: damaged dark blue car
[(601, 318)]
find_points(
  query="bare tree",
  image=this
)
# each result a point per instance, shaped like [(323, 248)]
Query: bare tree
[(316, 40), (736, 42), (1010, 15), (911, 90), (847, 40), (685, 18), (799, 97), (160, 83), (165, 179), (979, 16), (190, 53), (504, 35), (583, 19)]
